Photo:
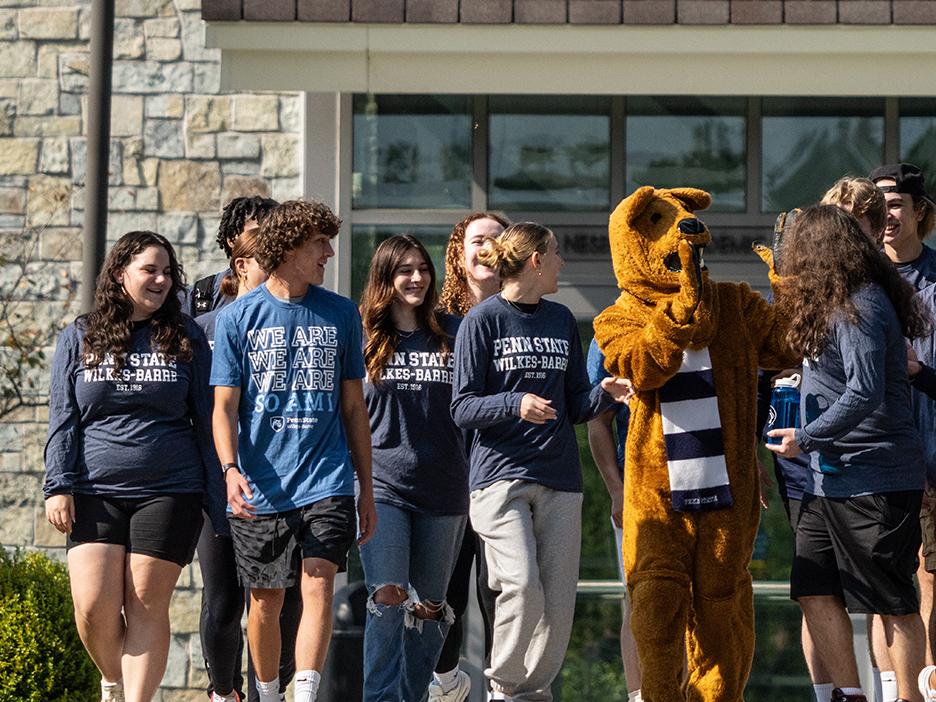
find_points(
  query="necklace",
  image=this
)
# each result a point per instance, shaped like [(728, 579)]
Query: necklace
[(406, 334), (525, 308)]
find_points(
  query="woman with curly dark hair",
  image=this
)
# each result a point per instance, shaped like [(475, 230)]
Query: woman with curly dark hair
[(858, 531), (129, 460), (419, 468)]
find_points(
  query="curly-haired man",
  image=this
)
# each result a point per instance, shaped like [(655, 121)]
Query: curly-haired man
[(291, 429)]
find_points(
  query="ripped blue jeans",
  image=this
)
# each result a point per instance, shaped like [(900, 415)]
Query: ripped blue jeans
[(414, 554)]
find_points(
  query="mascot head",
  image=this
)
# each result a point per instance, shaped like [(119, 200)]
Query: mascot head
[(645, 231)]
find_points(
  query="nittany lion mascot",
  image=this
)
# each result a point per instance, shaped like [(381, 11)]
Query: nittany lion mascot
[(692, 348)]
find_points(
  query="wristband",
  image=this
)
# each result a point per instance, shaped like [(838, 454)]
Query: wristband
[(225, 467)]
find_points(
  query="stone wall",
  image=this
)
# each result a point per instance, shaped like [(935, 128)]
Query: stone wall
[(179, 150)]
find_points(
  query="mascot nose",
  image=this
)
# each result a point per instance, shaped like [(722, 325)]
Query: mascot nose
[(691, 226)]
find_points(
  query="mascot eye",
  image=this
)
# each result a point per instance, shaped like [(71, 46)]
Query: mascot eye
[(655, 217)]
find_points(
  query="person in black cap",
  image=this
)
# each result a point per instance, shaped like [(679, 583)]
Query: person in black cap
[(911, 214)]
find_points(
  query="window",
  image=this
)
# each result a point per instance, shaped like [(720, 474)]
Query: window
[(411, 151), (808, 144), (548, 153), (688, 141), (918, 137), (366, 238)]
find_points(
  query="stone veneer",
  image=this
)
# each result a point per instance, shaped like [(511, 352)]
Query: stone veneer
[(179, 150)]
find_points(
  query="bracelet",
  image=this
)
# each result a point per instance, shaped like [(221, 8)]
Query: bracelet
[(225, 467)]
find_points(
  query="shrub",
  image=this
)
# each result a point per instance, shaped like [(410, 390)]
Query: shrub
[(41, 656)]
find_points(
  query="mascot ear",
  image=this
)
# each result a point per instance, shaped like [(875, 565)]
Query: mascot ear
[(693, 198), (633, 205)]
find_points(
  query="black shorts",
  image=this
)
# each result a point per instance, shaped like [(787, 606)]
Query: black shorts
[(860, 549), (163, 526), (269, 548)]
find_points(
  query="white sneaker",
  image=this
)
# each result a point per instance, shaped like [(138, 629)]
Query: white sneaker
[(459, 693), (929, 694), (112, 692), (233, 697)]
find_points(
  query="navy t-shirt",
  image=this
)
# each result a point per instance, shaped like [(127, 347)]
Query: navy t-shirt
[(597, 373), (921, 271), (140, 431), (501, 354), (289, 360), (418, 452)]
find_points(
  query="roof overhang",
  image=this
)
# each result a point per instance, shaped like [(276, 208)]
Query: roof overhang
[(572, 59)]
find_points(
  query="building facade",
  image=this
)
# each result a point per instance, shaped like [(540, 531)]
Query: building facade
[(405, 115)]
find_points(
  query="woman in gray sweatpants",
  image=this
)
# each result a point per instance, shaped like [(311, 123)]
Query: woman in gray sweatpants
[(520, 384)]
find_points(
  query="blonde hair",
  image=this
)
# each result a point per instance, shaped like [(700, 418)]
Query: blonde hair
[(862, 198), (511, 249)]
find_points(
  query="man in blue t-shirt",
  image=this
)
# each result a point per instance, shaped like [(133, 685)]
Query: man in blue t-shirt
[(291, 430)]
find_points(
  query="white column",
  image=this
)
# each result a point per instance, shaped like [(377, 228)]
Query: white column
[(326, 172)]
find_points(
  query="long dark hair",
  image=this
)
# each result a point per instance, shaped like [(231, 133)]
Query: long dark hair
[(456, 297), (827, 259), (108, 327), (377, 301)]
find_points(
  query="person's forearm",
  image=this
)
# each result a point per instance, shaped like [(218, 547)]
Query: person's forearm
[(601, 442), (359, 445), (224, 430)]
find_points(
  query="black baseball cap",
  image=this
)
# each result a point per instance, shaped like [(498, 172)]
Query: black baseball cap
[(908, 179)]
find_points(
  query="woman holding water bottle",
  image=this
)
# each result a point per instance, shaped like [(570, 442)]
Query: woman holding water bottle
[(858, 532)]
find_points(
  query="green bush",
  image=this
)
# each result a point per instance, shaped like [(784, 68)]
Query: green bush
[(41, 656)]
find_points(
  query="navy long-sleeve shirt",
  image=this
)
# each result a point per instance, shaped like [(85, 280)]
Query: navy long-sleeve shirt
[(501, 354), (135, 432), (856, 410)]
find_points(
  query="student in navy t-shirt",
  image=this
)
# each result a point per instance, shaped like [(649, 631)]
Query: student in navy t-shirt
[(420, 472), (291, 429), (129, 390), (520, 384)]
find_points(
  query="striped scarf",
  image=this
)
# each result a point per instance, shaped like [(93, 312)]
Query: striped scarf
[(692, 433)]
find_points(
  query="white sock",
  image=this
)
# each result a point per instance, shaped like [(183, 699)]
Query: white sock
[(306, 685), (850, 691), (447, 680), (269, 691), (888, 686), (634, 696), (876, 683), (823, 691)]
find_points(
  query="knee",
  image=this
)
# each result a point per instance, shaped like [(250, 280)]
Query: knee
[(434, 610), (266, 603), (390, 595)]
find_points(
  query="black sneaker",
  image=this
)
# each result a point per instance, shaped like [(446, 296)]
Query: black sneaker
[(839, 696)]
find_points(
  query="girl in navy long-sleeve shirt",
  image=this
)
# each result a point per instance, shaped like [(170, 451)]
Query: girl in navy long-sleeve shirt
[(520, 383)]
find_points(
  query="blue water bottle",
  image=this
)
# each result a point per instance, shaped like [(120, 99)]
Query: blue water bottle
[(784, 406)]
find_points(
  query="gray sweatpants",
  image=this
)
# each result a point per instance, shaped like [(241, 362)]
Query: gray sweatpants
[(532, 540)]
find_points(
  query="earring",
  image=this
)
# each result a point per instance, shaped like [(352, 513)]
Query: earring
[(539, 271)]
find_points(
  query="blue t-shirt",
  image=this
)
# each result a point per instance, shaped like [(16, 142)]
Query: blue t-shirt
[(855, 408), (418, 452), (136, 432), (289, 360), (597, 373), (501, 354)]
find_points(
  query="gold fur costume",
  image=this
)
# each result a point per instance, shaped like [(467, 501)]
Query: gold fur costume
[(687, 571)]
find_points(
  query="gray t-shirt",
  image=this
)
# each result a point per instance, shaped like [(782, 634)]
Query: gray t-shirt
[(856, 411)]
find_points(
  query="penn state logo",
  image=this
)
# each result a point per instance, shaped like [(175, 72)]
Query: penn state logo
[(277, 424)]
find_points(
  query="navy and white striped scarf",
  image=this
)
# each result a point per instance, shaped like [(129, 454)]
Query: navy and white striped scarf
[(692, 433)]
